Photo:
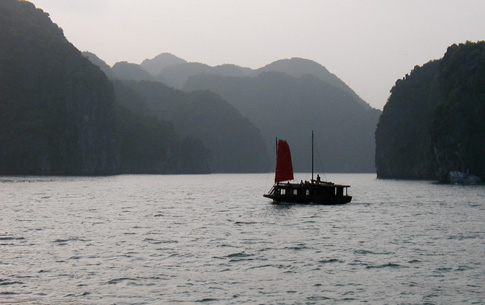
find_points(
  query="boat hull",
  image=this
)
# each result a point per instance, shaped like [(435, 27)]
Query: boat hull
[(309, 193), (323, 201)]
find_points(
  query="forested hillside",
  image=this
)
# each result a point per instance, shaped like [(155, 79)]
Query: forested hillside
[(433, 122), (458, 130)]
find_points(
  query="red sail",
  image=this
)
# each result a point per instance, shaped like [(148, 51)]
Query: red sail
[(284, 168)]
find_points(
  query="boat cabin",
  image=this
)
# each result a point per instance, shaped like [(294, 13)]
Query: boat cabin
[(310, 192)]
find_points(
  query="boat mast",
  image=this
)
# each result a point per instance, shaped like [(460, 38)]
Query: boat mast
[(312, 156), (276, 152), (276, 147)]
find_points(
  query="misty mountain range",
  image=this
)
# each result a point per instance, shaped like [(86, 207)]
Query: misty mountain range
[(174, 71), (63, 115), (287, 98)]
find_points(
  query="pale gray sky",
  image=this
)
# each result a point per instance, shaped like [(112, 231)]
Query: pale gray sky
[(369, 44)]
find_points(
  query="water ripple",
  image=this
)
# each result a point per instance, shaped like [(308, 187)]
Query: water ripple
[(186, 239)]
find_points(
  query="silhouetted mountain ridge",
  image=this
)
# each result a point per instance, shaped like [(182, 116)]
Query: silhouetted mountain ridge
[(155, 65), (298, 67), (174, 71), (129, 71)]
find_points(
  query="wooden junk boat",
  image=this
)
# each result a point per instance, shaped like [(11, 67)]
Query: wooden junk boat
[(314, 191)]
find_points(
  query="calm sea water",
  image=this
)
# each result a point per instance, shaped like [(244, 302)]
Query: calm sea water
[(214, 239)]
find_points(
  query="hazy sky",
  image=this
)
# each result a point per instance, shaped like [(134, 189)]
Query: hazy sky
[(369, 44)]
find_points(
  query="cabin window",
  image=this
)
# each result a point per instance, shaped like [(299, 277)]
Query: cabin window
[(295, 191), (307, 192), (282, 191), (340, 191)]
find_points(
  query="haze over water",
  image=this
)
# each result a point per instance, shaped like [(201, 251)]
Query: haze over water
[(214, 239), (368, 44)]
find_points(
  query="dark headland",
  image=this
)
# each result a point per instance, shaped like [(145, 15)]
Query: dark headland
[(433, 126)]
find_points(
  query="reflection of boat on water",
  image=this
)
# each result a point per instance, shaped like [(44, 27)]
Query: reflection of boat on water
[(314, 191)]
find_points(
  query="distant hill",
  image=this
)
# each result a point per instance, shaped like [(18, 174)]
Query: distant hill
[(291, 107), (165, 68), (233, 143), (176, 75), (433, 122), (298, 67), (129, 71), (230, 70), (155, 65)]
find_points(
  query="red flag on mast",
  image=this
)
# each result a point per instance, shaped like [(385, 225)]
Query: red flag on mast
[(284, 168)]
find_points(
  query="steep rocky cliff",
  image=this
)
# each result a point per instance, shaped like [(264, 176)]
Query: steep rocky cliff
[(433, 121), (403, 141), (56, 108), (458, 130)]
